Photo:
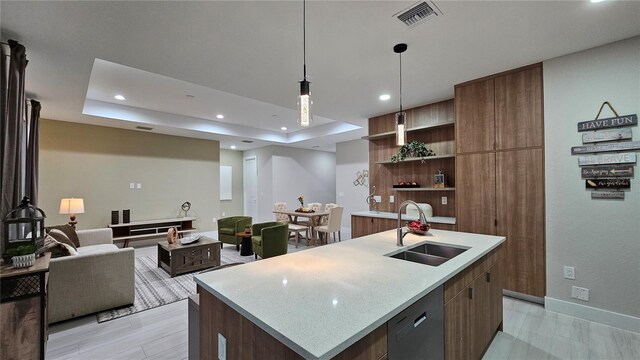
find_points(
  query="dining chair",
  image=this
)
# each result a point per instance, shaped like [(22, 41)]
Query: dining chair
[(327, 207), (334, 224), (312, 206), (293, 228)]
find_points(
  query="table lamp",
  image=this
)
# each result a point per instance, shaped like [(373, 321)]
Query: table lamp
[(72, 207)]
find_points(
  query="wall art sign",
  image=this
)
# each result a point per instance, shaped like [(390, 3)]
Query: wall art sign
[(606, 135), (607, 195), (607, 171), (622, 158), (607, 183), (618, 121), (619, 146)]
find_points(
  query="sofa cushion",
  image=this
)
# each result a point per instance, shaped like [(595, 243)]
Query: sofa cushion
[(56, 248), (257, 239), (69, 231), (227, 231), (61, 237), (96, 249)]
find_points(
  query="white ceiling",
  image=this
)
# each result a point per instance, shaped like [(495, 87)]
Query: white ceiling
[(244, 59)]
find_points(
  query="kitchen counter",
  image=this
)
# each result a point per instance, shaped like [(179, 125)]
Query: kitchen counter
[(390, 215), (320, 301)]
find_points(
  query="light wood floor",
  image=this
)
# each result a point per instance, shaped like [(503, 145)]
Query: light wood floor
[(530, 332)]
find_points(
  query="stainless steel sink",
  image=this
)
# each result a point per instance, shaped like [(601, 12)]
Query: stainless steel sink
[(429, 254)]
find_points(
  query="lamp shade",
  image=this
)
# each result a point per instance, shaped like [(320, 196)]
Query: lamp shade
[(72, 206)]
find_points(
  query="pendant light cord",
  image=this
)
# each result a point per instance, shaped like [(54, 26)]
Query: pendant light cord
[(304, 38), (400, 82)]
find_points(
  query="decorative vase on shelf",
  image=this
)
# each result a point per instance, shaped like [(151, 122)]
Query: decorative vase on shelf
[(22, 261)]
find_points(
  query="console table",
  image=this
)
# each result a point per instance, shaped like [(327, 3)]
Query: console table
[(139, 230), (23, 310)]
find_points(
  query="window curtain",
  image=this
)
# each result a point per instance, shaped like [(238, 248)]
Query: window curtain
[(31, 171), (14, 63)]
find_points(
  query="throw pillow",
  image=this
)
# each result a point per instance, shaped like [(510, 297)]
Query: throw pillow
[(69, 231), (61, 237), (57, 249)]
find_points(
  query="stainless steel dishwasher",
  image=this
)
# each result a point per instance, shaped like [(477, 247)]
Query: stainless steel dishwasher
[(418, 331)]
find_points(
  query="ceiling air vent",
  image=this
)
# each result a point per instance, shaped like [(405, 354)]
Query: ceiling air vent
[(418, 13), (144, 128), (247, 141)]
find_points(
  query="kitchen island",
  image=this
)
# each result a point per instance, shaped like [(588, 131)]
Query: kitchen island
[(335, 300)]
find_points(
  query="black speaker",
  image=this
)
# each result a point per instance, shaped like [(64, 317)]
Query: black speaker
[(126, 216), (115, 217)]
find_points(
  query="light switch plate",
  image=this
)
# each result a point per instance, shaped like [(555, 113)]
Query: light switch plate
[(569, 272), (341, 194), (132, 185), (377, 198), (444, 200), (580, 293), (392, 199), (139, 185)]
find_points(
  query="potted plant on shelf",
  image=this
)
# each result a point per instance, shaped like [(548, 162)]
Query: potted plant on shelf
[(414, 149), (23, 255)]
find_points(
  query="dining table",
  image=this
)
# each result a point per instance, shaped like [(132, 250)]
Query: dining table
[(314, 219)]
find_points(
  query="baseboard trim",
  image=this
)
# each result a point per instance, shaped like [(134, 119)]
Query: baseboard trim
[(525, 297), (605, 317)]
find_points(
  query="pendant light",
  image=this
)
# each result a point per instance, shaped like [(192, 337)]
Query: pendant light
[(401, 116), (304, 99)]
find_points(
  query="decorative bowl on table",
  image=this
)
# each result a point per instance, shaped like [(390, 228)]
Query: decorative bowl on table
[(304, 210), (417, 228)]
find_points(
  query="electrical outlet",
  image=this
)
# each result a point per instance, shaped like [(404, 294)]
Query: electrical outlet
[(392, 199), (222, 347), (569, 272), (224, 213), (580, 293), (444, 200), (213, 220), (377, 198), (132, 185)]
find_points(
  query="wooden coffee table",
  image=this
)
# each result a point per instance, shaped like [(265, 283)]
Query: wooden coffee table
[(178, 259)]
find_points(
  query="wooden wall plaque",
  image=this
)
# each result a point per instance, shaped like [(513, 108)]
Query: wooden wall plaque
[(606, 135), (607, 171), (607, 195), (607, 183), (622, 158), (618, 121), (619, 146)]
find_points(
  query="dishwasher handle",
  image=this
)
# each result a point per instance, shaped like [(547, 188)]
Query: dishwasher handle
[(420, 319)]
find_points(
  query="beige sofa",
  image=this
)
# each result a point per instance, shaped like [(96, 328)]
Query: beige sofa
[(98, 278)]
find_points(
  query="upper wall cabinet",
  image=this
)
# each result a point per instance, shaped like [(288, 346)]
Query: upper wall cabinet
[(475, 117), (518, 107), (500, 113)]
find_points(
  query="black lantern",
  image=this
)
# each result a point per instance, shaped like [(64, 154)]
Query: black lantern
[(24, 225)]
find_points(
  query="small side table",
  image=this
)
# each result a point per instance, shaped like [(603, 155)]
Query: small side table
[(23, 307), (246, 248)]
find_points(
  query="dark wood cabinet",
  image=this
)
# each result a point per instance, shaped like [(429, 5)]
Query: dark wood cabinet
[(476, 193), (520, 214), (471, 315), (500, 190), (518, 104), (475, 117)]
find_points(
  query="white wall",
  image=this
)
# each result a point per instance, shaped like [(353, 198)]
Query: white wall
[(351, 157), (285, 173), (600, 238)]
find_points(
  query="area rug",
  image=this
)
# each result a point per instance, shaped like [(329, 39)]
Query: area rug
[(154, 287)]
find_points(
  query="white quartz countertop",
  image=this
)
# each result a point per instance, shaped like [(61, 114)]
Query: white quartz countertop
[(320, 301), (389, 215)]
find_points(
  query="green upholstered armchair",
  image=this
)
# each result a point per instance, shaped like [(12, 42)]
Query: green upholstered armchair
[(228, 228), (270, 239)]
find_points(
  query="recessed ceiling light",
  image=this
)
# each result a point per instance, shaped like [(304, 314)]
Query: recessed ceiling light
[(596, 1), (232, 147), (190, 96), (119, 97), (385, 97), (283, 128), (316, 147), (220, 116)]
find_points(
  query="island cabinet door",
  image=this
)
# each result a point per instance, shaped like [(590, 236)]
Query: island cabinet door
[(456, 329), (494, 296), (478, 306)]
